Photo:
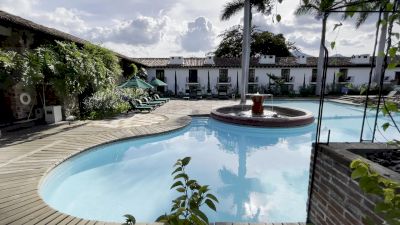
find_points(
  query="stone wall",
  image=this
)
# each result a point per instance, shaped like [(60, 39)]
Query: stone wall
[(334, 197), (20, 111)]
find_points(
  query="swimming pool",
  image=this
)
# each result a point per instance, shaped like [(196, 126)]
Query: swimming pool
[(258, 174)]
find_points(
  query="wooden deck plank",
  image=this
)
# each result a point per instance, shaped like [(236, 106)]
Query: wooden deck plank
[(35, 217), (66, 220), (17, 196), (20, 204), (13, 203), (20, 182), (15, 192), (75, 221), (13, 174), (91, 222), (14, 186), (52, 217), (83, 222), (20, 213)]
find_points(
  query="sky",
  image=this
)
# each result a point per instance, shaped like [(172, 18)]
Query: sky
[(164, 28)]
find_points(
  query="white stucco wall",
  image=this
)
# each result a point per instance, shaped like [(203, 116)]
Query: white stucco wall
[(359, 74)]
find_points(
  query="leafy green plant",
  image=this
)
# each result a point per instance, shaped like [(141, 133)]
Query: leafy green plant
[(186, 209), (11, 65), (129, 220), (275, 87), (40, 66), (373, 183), (388, 108), (78, 69), (307, 90), (69, 69), (135, 70), (103, 104)]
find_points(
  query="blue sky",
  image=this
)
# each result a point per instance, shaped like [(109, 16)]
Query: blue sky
[(162, 28)]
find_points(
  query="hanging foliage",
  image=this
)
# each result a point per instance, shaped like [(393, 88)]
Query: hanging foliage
[(11, 65)]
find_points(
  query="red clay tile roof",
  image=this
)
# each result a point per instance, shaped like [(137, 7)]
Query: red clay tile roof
[(236, 62)]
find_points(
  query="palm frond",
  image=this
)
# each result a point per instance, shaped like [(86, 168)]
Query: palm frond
[(307, 9), (231, 8), (262, 6), (363, 16)]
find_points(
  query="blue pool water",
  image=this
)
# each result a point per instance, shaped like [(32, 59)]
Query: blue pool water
[(258, 174)]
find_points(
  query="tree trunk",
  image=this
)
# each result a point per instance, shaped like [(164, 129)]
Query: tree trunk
[(381, 49), (320, 66), (176, 87), (245, 50), (44, 97)]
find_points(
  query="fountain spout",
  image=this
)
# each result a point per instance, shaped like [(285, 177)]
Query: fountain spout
[(257, 108)]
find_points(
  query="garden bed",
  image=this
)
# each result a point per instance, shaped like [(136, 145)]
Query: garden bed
[(387, 158), (334, 197)]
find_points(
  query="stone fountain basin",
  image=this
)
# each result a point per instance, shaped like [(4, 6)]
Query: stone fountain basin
[(288, 117)]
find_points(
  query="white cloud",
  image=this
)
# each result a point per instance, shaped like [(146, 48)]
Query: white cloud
[(161, 28), (67, 20), (19, 7), (199, 36), (142, 30)]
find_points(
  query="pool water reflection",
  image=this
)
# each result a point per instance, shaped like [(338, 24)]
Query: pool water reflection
[(258, 174)]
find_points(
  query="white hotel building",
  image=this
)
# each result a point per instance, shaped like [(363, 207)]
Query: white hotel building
[(224, 72)]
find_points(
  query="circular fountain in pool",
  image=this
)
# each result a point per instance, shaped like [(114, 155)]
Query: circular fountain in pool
[(261, 115)]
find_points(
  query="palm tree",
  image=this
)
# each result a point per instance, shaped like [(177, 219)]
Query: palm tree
[(320, 8), (232, 8), (366, 9)]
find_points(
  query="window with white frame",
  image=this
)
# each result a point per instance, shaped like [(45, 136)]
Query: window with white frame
[(285, 74), (314, 75), (223, 75), (252, 75), (342, 75)]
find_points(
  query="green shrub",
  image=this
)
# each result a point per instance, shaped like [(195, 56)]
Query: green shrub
[(104, 104), (131, 93), (306, 91), (11, 66)]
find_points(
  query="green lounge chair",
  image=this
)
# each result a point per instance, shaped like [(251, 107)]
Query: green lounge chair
[(153, 99), (158, 98), (141, 104), (151, 102), (140, 108)]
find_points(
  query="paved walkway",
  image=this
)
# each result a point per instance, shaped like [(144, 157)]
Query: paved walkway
[(27, 155)]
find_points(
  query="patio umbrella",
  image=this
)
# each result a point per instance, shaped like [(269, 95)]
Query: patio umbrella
[(136, 83), (158, 83)]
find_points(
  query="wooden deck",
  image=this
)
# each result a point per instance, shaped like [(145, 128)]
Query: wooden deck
[(27, 155)]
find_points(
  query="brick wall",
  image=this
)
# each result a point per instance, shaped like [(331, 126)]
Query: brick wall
[(335, 197)]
